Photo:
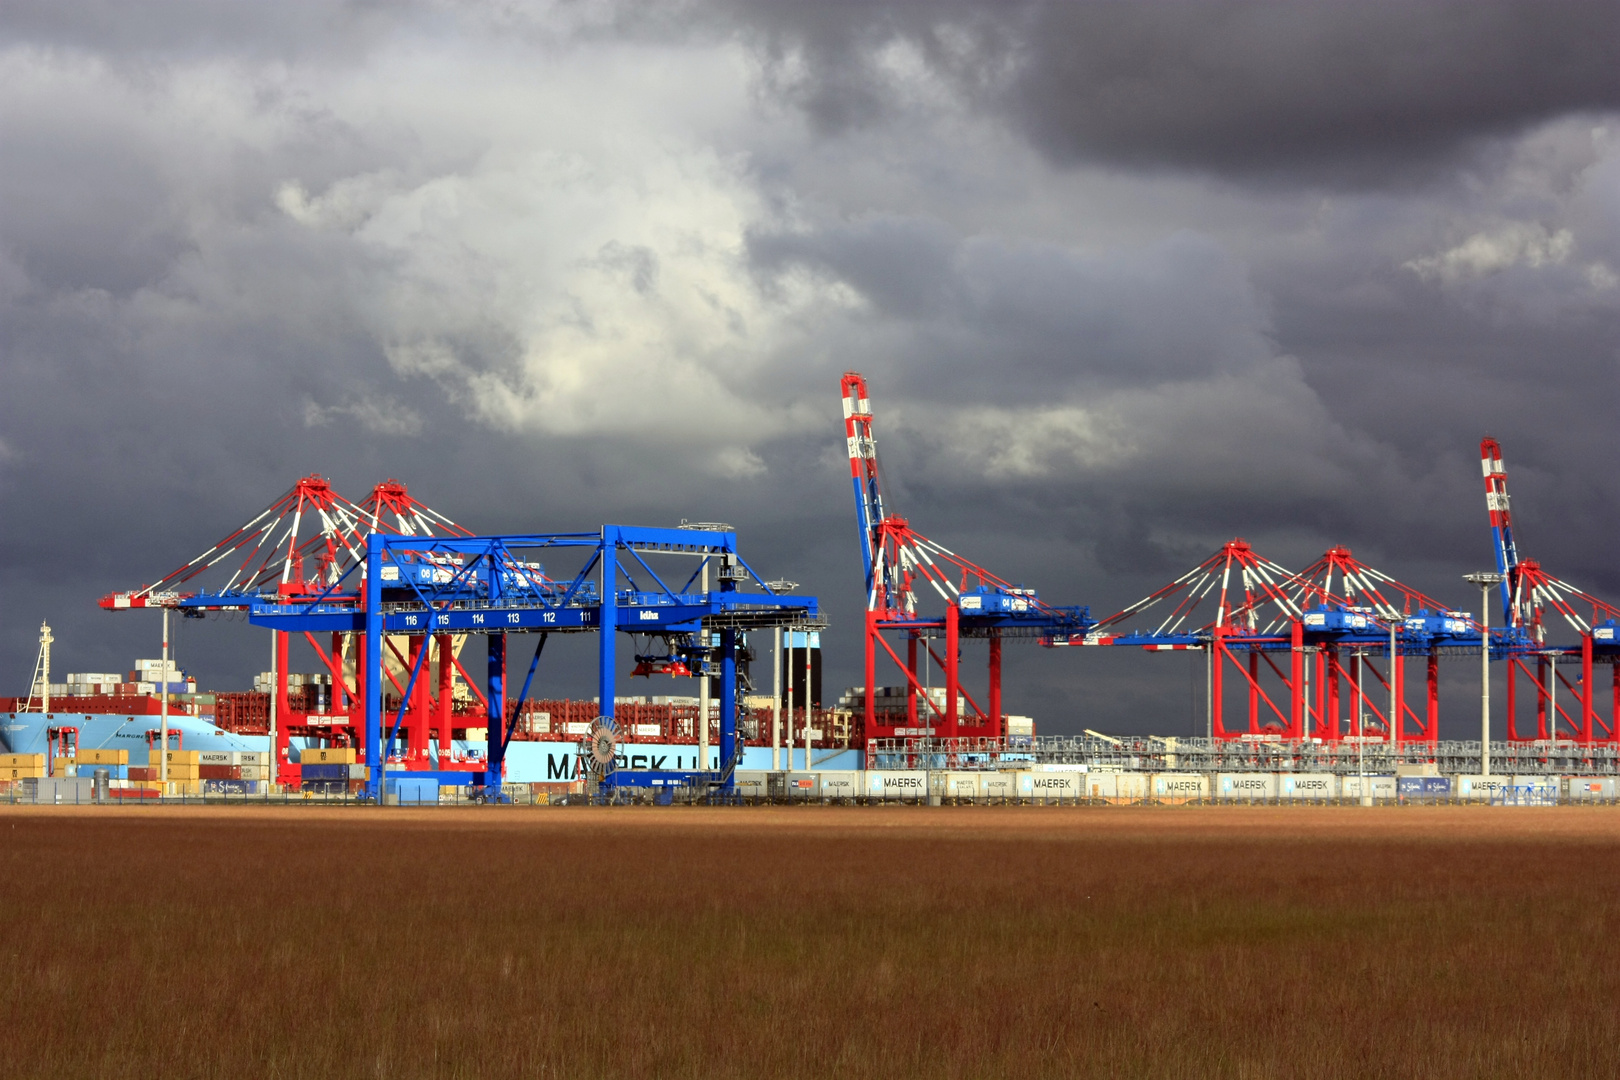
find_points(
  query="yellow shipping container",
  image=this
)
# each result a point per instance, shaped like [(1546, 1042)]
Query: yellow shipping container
[(184, 757), (22, 761), (184, 772), (329, 756), (60, 765), (32, 772), (103, 757)]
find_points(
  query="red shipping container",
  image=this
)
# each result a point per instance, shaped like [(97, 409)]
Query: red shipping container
[(219, 772)]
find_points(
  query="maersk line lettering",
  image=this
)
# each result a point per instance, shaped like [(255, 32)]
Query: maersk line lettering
[(903, 782)]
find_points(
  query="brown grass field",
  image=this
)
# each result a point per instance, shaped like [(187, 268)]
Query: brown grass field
[(776, 942)]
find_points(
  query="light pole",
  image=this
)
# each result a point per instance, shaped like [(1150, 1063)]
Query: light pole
[(1485, 581)]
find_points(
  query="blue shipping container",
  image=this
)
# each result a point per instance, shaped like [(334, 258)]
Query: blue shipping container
[(324, 772), (414, 790), (231, 787), (1423, 787)]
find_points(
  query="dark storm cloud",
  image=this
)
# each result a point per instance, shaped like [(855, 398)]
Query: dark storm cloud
[(1342, 92)]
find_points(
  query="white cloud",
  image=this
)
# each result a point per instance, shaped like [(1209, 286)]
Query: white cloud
[(1514, 243)]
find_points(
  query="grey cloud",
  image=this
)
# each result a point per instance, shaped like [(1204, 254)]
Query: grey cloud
[(1360, 93)]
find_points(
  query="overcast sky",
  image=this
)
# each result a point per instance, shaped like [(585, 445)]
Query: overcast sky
[(1128, 280)]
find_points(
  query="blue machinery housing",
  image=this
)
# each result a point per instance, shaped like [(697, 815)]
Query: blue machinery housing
[(492, 585)]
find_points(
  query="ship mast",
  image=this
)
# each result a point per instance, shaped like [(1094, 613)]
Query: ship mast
[(42, 671)]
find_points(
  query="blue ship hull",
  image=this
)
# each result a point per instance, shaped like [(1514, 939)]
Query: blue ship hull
[(25, 733)]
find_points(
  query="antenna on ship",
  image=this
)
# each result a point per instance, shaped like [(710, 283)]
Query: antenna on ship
[(42, 671)]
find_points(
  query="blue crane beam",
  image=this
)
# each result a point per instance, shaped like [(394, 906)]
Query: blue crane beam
[(431, 585)]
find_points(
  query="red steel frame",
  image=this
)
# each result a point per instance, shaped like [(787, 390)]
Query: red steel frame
[(1527, 593), (272, 551)]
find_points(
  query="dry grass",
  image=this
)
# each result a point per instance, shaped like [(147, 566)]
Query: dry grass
[(851, 942)]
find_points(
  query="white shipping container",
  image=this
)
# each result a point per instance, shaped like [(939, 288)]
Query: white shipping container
[(1056, 785), (751, 782), (1589, 788), (1180, 787), (646, 731), (1116, 786), (998, 785), (1246, 786), (250, 757), (840, 784), (896, 784), (1378, 787), (1479, 787), (255, 772), (959, 785), (216, 757), (1307, 786), (1020, 725), (577, 727)]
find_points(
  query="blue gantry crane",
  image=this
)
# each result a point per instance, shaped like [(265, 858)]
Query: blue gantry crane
[(495, 586)]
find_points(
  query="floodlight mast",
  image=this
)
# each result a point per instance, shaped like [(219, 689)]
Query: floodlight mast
[(1485, 581)]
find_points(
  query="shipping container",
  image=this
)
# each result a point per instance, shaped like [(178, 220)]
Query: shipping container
[(230, 787), (840, 783), (957, 785), (330, 755), (1246, 786), (22, 761), (1479, 787), (1056, 786), (1376, 787), (998, 785), (751, 782), (313, 771), (1312, 787), (908, 784), (1589, 788), (104, 757), (1423, 787), (184, 757), (58, 790), (219, 772), (1180, 787), (1116, 786), (412, 790)]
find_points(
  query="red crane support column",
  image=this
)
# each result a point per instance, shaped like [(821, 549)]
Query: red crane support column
[(997, 727), (447, 686), (871, 675), (1432, 719), (282, 706), (1586, 688), (1397, 665), (1512, 721), (1296, 692), (952, 648), (1217, 659), (911, 685), (1614, 717), (1541, 699), (357, 716), (1335, 730), (1254, 692)]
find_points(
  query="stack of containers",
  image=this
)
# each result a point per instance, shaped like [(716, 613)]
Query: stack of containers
[(331, 771), (22, 766), (116, 762), (185, 771), (232, 772)]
